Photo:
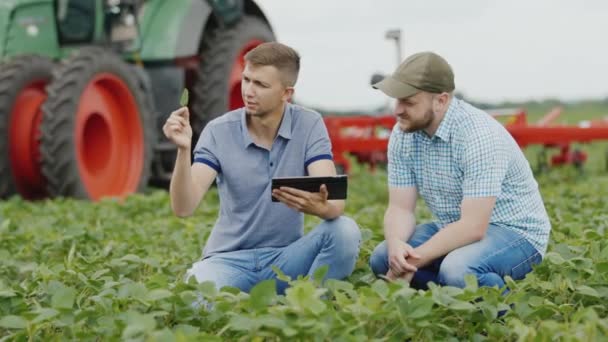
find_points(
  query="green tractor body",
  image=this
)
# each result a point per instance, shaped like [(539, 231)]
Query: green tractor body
[(86, 85)]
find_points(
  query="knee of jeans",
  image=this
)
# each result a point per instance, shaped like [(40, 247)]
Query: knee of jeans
[(378, 261), (345, 233), (452, 272)]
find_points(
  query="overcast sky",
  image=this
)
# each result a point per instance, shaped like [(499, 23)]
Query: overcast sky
[(499, 50)]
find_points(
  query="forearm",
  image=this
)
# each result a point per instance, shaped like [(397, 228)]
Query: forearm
[(398, 224), (451, 237), (181, 189), (333, 209)]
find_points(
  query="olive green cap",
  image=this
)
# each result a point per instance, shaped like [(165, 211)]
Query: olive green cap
[(423, 71)]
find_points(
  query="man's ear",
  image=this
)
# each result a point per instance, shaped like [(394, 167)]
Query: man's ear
[(288, 94), (442, 101)]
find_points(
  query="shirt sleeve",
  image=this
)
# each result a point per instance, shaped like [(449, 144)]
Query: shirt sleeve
[(206, 150), (400, 172), (486, 160), (318, 146)]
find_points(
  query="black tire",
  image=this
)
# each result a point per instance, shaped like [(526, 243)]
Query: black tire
[(219, 51), (15, 76), (60, 162)]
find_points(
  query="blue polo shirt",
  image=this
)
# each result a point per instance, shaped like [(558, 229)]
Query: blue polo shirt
[(248, 218)]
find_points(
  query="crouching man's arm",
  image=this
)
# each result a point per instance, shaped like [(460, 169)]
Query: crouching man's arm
[(472, 226)]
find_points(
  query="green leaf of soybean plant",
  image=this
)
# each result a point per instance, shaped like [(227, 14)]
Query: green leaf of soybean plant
[(13, 322), (320, 274), (183, 100), (263, 294)]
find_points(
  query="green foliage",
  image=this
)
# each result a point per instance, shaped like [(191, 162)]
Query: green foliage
[(74, 270), (183, 100)]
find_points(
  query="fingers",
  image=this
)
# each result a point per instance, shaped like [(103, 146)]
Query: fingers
[(409, 267), (391, 276), (397, 265), (411, 252), (177, 122), (295, 192), (175, 119), (183, 113), (291, 200), (323, 191)]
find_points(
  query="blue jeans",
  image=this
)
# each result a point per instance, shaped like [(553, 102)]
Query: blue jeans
[(502, 252), (334, 243)]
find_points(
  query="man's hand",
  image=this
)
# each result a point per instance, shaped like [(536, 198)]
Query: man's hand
[(312, 203), (408, 276), (178, 129), (398, 253)]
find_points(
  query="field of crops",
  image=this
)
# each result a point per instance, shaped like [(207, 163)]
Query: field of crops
[(74, 270)]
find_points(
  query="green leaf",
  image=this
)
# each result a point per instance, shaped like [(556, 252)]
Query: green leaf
[(303, 296), (183, 100), (471, 282), (158, 294), (554, 258), (63, 298), (271, 322), (7, 293), (263, 294), (13, 322), (186, 329), (45, 314), (380, 288), (280, 275), (138, 324), (461, 306), (133, 290), (242, 323), (588, 291), (320, 273), (420, 307), (207, 289)]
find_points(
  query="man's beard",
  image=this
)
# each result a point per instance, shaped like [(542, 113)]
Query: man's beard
[(421, 124)]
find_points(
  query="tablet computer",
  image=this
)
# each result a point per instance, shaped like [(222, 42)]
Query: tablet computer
[(336, 185)]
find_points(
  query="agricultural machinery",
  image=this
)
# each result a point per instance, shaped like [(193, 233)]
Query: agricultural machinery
[(366, 137), (85, 86)]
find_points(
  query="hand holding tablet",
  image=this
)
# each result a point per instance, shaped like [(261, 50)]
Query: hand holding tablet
[(336, 185)]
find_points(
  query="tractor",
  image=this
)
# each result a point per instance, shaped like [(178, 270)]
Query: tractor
[(86, 85)]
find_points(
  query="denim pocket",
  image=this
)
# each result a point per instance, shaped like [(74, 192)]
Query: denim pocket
[(524, 267)]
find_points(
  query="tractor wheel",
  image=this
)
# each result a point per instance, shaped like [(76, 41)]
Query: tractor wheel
[(218, 86), (22, 92), (98, 131)]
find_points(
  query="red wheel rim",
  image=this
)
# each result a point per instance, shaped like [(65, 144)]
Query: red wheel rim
[(23, 141), (236, 99), (109, 138)]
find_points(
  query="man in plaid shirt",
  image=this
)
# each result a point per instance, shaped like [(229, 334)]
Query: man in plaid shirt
[(490, 218)]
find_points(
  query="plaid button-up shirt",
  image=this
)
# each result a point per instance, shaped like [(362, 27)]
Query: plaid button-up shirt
[(470, 155)]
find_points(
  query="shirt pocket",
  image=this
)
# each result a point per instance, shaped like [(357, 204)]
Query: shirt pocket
[(445, 184)]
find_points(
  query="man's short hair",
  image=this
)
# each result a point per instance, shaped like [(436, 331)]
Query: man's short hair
[(281, 56)]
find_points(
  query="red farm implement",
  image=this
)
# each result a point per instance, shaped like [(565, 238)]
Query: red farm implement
[(366, 137)]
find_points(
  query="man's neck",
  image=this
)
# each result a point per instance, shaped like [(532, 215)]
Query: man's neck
[(265, 128)]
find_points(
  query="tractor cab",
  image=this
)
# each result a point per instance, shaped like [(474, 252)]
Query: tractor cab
[(106, 22)]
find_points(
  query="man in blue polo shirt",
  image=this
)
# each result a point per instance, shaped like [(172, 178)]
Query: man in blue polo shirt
[(490, 218), (242, 151)]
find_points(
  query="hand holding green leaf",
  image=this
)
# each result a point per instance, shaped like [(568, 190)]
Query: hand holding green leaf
[(177, 128)]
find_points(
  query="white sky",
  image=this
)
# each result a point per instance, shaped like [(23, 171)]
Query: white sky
[(499, 50)]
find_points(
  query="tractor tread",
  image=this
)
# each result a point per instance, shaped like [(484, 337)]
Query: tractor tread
[(58, 150), (14, 75)]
